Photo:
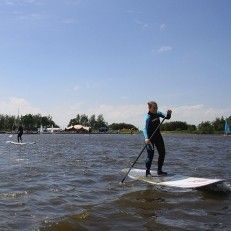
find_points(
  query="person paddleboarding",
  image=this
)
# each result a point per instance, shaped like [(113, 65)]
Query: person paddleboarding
[(20, 132), (152, 121)]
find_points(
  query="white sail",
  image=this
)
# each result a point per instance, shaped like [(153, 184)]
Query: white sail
[(41, 129), (52, 128), (227, 129)]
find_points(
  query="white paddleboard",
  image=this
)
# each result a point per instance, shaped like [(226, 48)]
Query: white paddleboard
[(171, 180), (12, 142)]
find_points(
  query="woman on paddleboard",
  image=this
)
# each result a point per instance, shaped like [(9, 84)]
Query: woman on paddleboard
[(152, 121)]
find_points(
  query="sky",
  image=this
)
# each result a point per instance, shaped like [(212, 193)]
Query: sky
[(110, 57)]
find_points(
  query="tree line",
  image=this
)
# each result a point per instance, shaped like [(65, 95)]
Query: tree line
[(120, 126), (90, 121), (99, 123), (33, 122), (206, 127), (29, 122)]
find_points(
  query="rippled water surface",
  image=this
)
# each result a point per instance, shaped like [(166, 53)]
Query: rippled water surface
[(71, 182)]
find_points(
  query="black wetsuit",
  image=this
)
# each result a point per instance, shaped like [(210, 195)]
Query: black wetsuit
[(152, 121), (20, 132)]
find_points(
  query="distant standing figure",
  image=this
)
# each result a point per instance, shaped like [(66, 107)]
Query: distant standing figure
[(152, 121), (20, 132)]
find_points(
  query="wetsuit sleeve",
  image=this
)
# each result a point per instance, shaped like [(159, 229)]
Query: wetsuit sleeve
[(146, 122), (162, 115)]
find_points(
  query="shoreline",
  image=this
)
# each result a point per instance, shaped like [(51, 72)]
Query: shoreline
[(76, 133), (117, 133)]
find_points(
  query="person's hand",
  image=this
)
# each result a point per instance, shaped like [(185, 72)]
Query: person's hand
[(147, 141), (169, 112)]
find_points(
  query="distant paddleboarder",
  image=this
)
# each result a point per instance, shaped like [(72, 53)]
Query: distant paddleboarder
[(152, 121), (20, 132)]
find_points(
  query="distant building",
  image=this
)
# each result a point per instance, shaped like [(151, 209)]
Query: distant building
[(53, 130), (48, 130)]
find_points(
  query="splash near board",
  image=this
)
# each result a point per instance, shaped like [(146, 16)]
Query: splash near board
[(17, 143), (171, 180)]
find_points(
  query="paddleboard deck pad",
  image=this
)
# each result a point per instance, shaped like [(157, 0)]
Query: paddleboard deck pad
[(171, 180), (17, 143)]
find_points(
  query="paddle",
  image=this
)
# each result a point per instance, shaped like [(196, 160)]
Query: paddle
[(142, 151)]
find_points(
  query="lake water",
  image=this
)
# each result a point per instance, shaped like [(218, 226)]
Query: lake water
[(71, 182)]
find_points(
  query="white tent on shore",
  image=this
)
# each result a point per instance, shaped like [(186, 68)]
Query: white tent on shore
[(78, 127)]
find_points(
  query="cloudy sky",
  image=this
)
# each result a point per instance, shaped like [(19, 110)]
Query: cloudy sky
[(63, 57)]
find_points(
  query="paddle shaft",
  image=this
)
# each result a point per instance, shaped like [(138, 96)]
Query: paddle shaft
[(142, 150)]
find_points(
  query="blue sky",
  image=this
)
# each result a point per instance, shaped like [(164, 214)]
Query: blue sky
[(63, 57)]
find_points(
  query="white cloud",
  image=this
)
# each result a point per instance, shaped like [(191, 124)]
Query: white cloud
[(9, 2), (76, 88), (19, 2), (73, 2), (124, 97), (165, 49), (195, 114), (31, 17), (62, 114), (69, 21), (13, 104), (163, 27), (133, 12), (129, 113), (134, 113), (87, 85), (143, 25), (29, 1)]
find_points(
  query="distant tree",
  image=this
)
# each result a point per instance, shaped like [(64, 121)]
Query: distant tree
[(192, 128), (7, 122), (28, 122), (120, 126), (2, 120), (84, 120), (45, 121), (228, 119), (174, 126), (74, 121), (100, 122), (77, 119), (206, 128), (37, 120), (92, 122), (32, 122), (218, 124)]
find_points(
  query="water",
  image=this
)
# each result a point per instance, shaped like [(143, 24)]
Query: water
[(71, 182)]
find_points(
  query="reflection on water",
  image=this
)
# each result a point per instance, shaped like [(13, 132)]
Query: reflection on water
[(71, 182)]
